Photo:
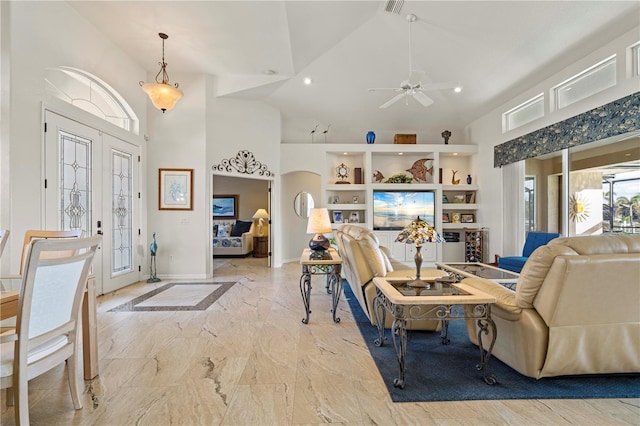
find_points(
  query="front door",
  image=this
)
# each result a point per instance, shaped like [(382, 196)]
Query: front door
[(92, 184)]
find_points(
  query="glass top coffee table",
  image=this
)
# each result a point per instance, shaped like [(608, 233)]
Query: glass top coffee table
[(440, 302), (473, 269)]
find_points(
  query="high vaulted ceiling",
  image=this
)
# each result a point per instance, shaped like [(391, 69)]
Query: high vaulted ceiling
[(263, 50)]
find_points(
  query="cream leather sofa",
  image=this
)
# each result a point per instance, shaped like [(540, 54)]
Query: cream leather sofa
[(576, 309), (364, 258)]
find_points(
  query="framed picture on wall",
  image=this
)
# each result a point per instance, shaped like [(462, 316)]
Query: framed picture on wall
[(225, 206), (175, 188)]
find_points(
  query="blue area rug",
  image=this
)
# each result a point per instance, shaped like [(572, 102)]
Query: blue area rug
[(435, 372)]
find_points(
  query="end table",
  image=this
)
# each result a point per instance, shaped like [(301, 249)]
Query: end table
[(260, 246), (331, 268)]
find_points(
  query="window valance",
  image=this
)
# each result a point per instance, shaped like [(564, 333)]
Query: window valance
[(613, 119)]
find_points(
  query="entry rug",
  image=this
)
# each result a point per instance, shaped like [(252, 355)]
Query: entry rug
[(436, 372), (177, 297)]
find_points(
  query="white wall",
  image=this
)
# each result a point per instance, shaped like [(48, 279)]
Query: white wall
[(178, 141), (37, 35), (296, 237), (234, 125), (487, 131)]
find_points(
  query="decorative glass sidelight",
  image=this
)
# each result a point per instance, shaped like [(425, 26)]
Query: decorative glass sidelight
[(75, 181), (122, 222)]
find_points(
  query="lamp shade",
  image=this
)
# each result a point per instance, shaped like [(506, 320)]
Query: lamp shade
[(163, 96), (261, 214), (419, 232), (318, 221)]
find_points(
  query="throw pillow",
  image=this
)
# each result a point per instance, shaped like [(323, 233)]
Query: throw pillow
[(223, 230), (240, 228)]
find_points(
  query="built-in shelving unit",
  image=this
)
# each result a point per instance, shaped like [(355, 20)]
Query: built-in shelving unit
[(352, 202)]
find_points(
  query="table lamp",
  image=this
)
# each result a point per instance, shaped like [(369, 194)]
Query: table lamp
[(419, 232), (261, 215), (318, 224)]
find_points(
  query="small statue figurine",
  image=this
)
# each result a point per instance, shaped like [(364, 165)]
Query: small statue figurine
[(446, 135), (153, 249), (454, 181), (378, 176)]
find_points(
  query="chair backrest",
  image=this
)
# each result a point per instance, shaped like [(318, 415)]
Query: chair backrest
[(53, 283), (536, 239), (4, 237), (33, 234)]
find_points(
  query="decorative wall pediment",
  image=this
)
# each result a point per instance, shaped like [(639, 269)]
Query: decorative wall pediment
[(613, 119), (244, 163)]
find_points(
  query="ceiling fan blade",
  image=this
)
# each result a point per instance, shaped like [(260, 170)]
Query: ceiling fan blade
[(439, 86), (376, 89), (422, 98), (393, 100)]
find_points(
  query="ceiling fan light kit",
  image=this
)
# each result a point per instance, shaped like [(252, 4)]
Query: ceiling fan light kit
[(163, 95), (410, 88)]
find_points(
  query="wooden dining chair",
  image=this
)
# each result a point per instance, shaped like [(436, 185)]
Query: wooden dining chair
[(36, 234), (48, 318)]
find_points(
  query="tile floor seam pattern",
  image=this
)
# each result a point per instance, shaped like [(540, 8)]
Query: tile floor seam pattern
[(232, 381)]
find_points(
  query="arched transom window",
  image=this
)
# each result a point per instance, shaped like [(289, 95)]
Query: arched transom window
[(90, 93)]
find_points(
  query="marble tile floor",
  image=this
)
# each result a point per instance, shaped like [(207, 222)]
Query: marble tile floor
[(248, 360)]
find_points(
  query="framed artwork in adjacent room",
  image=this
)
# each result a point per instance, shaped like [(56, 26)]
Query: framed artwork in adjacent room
[(225, 206), (175, 189)]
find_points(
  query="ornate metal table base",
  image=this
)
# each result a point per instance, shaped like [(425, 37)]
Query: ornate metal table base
[(401, 313), (333, 286)]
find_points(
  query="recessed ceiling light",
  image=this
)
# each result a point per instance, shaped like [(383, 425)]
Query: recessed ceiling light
[(455, 153), (401, 153), (307, 80), (457, 89), (345, 153)]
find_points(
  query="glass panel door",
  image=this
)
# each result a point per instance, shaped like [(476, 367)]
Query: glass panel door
[(92, 185)]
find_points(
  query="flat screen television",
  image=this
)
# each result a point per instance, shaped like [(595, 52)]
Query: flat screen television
[(395, 209)]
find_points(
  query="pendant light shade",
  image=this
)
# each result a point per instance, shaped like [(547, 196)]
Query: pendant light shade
[(163, 95)]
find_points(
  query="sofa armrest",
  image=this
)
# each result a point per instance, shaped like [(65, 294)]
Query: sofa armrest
[(505, 298), (247, 241)]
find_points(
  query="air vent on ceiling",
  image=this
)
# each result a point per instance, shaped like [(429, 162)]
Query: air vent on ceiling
[(394, 6)]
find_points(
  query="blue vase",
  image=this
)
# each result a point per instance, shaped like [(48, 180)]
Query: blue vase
[(371, 137)]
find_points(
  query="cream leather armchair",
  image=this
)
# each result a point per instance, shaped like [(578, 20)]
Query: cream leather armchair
[(364, 258), (575, 309)]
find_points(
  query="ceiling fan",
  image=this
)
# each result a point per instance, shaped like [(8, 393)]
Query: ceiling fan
[(413, 87)]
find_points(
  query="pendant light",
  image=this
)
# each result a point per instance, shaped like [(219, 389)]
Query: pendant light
[(163, 95)]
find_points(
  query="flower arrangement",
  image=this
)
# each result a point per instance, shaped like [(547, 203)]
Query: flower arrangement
[(399, 178)]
